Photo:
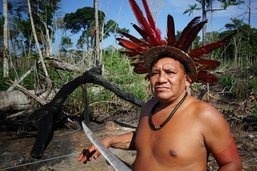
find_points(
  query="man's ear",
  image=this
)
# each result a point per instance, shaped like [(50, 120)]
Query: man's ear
[(188, 81)]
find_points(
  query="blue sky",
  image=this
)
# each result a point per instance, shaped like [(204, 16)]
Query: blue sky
[(120, 11)]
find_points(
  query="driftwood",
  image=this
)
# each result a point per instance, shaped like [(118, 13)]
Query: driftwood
[(59, 64), (14, 100), (46, 117), (24, 90), (18, 101)]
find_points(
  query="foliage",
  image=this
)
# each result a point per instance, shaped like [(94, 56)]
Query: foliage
[(244, 49), (241, 89), (59, 78), (254, 110), (111, 27), (83, 21), (66, 43), (207, 5), (191, 8), (227, 3), (118, 70), (239, 84), (20, 28), (227, 81), (253, 85), (1, 28), (74, 103), (3, 85), (1, 23)]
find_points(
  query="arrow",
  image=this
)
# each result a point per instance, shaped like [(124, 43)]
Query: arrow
[(108, 155)]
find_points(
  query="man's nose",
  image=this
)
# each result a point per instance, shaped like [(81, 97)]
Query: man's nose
[(162, 77)]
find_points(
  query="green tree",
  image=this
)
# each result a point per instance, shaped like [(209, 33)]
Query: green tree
[(43, 15), (245, 43), (66, 43), (83, 21), (111, 27), (207, 6), (1, 28)]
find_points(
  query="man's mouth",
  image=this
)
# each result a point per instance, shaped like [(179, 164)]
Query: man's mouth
[(161, 88)]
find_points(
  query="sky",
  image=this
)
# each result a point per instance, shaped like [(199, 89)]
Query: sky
[(120, 11)]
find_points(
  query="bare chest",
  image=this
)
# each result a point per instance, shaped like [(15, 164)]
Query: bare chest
[(179, 141)]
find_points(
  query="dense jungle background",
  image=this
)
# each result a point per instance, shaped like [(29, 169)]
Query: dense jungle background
[(110, 95)]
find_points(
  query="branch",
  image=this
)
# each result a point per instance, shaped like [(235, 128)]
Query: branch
[(16, 82), (36, 40), (47, 115), (213, 10), (24, 90), (59, 64)]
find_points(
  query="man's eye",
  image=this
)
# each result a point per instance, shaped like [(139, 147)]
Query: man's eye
[(154, 73), (169, 72)]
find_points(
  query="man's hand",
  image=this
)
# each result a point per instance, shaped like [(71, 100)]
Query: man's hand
[(91, 151)]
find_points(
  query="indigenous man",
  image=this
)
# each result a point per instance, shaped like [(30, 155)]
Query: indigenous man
[(176, 131)]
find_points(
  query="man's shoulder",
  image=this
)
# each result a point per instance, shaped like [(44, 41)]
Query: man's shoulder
[(202, 109), (194, 102)]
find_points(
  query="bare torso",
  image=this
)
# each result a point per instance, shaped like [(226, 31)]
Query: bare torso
[(179, 145)]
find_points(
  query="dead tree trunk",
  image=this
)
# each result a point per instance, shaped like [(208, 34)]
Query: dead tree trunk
[(46, 117), (36, 40), (14, 100)]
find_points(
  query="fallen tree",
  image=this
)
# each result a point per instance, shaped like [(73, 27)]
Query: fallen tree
[(44, 118), (13, 101)]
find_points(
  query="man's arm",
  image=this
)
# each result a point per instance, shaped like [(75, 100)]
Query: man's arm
[(219, 140), (229, 159), (123, 141)]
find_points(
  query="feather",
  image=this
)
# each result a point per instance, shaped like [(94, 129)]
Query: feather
[(198, 52), (144, 25), (186, 32), (171, 39), (139, 16), (134, 39), (139, 68), (207, 77), (143, 33), (151, 21), (131, 45), (207, 64), (192, 35)]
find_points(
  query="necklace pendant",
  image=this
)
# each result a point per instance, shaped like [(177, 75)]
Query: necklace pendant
[(157, 127)]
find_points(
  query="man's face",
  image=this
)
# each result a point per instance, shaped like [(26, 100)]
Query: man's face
[(168, 79)]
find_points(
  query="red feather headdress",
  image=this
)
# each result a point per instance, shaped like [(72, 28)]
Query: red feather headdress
[(143, 53)]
